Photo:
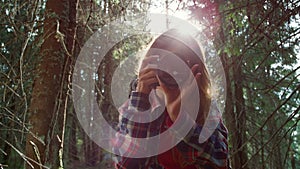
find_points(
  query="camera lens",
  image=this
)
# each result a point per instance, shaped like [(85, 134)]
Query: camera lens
[(169, 80)]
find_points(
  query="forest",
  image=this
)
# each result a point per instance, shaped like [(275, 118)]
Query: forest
[(256, 41)]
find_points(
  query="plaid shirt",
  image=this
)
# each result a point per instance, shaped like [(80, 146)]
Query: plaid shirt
[(211, 154)]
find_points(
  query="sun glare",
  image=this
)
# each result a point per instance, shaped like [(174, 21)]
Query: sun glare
[(182, 17)]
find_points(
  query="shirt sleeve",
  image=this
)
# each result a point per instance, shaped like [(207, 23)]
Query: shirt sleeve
[(128, 128)]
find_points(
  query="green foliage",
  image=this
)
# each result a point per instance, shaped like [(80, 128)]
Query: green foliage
[(21, 36), (20, 26), (261, 37)]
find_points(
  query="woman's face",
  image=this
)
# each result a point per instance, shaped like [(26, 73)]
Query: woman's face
[(165, 46)]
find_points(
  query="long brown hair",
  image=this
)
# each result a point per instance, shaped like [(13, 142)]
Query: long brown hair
[(187, 48)]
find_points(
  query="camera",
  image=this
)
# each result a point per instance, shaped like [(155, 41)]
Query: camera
[(172, 75), (168, 80)]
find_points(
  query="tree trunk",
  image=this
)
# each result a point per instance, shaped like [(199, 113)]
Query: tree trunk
[(234, 114), (47, 113), (229, 116), (72, 156), (240, 113), (229, 111)]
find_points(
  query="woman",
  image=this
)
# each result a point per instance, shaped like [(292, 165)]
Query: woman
[(154, 86)]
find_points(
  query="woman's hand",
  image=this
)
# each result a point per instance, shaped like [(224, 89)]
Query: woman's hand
[(147, 75), (173, 96)]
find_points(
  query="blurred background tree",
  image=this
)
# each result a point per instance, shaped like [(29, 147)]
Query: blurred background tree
[(257, 42)]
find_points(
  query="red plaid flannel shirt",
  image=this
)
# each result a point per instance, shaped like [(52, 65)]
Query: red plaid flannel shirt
[(211, 154)]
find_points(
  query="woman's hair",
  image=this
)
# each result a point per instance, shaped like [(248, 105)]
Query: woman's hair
[(187, 48)]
